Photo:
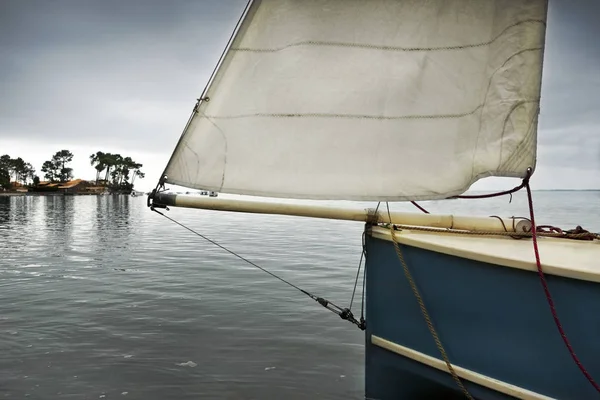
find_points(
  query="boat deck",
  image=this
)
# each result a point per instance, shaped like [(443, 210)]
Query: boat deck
[(578, 259)]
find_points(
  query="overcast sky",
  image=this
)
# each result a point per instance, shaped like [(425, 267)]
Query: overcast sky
[(122, 76)]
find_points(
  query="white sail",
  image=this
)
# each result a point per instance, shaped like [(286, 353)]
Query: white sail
[(369, 100)]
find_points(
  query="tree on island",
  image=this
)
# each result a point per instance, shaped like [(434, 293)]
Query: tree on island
[(118, 171), (56, 170), (104, 161), (97, 161), (4, 179), (49, 170), (16, 170), (137, 173), (5, 171), (23, 171)]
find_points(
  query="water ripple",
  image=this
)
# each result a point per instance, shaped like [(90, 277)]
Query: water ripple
[(101, 298)]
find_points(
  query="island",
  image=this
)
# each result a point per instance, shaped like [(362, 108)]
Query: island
[(115, 174)]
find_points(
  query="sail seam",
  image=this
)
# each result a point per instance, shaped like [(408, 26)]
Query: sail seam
[(514, 158), (492, 77), (356, 116), (322, 43), (225, 143)]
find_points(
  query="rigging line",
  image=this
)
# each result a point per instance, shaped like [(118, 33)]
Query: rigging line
[(343, 313), (228, 47), (549, 299), (364, 281), (362, 300), (425, 313), (362, 255), (237, 255)]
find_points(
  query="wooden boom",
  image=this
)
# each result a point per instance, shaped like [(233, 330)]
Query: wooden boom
[(489, 224)]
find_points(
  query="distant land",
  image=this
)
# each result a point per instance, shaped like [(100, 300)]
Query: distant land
[(115, 174)]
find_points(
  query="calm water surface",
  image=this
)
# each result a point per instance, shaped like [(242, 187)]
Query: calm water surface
[(101, 298)]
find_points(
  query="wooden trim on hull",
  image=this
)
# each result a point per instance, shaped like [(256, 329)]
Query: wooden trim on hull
[(471, 376)]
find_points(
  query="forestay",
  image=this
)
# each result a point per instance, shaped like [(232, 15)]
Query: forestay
[(369, 100)]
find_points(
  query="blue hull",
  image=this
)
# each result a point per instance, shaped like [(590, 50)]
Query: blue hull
[(492, 320)]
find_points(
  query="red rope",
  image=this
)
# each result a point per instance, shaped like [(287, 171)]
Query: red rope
[(549, 296), (419, 207), (496, 194), (487, 195)]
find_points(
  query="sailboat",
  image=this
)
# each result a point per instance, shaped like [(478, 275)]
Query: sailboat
[(402, 101)]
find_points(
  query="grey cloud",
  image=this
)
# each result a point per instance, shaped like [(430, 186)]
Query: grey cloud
[(128, 72), (87, 69), (577, 147), (571, 84)]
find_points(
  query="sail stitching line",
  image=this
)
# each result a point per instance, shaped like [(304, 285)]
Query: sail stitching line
[(357, 116), (322, 43), (349, 116), (425, 313), (188, 170), (517, 153), (226, 144), (487, 91), (519, 148)]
